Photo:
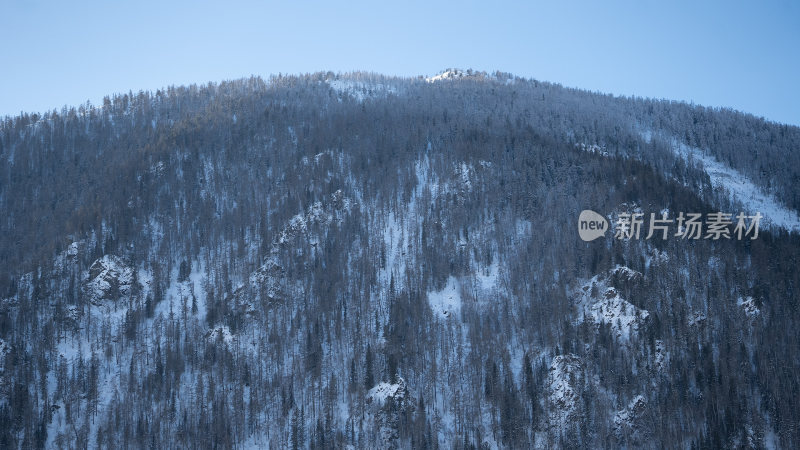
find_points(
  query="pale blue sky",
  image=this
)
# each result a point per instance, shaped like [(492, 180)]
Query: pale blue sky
[(737, 54)]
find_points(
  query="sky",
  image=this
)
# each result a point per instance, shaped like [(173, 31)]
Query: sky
[(743, 55)]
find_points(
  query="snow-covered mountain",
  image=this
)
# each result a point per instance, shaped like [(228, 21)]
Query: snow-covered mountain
[(364, 261)]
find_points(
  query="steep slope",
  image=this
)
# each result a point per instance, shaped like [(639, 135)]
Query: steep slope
[(353, 260)]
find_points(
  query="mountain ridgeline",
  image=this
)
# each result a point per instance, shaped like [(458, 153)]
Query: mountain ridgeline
[(335, 260)]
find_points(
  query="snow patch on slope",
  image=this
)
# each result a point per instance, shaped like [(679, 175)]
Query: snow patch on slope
[(220, 332), (487, 278), (741, 189), (592, 148), (446, 302), (464, 174), (384, 390)]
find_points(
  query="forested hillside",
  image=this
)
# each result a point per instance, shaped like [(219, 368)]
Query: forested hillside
[(335, 260)]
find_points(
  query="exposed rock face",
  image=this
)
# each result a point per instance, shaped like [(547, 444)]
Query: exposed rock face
[(269, 277), (306, 231), (4, 349), (564, 383), (661, 356), (318, 214), (749, 306), (625, 274), (220, 333), (453, 74), (623, 317), (629, 422), (396, 392), (109, 279), (601, 302), (388, 402), (696, 318)]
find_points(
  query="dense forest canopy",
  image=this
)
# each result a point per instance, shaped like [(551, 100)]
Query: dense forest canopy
[(353, 259)]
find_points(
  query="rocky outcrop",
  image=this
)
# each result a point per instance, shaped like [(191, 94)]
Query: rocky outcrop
[(109, 279), (564, 385)]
